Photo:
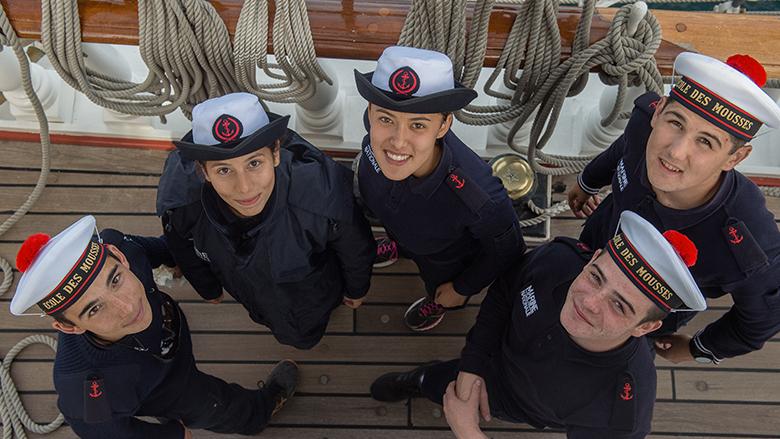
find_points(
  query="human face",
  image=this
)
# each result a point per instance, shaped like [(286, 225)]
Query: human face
[(404, 144), (245, 183), (114, 305), (686, 155), (603, 308)]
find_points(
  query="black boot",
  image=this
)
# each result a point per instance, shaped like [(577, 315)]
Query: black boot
[(281, 383), (398, 386)]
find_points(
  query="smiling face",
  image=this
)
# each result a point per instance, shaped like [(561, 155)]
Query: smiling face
[(114, 305), (603, 308), (404, 144), (686, 155), (245, 183)]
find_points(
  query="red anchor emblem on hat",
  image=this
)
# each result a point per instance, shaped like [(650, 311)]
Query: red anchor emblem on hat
[(736, 238), (459, 182), (626, 394), (227, 128), (404, 81), (96, 392)]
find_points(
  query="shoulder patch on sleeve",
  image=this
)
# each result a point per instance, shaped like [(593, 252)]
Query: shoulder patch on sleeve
[(466, 190), (624, 409), (96, 405), (746, 250), (647, 102)]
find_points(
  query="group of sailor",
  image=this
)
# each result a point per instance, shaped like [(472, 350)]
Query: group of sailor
[(567, 332)]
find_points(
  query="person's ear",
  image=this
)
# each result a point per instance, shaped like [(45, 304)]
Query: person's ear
[(66, 328), (737, 156), (202, 169), (646, 328), (119, 255), (658, 109), (276, 152), (445, 126)]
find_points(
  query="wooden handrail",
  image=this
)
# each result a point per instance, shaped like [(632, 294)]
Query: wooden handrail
[(361, 29)]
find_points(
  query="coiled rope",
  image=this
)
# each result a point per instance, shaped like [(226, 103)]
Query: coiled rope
[(12, 412)]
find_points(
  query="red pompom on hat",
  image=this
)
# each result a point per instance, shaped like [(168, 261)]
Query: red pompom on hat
[(29, 250), (749, 67), (683, 246)]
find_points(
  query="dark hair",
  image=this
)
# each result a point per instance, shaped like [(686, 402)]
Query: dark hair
[(736, 142), (275, 146), (654, 314)]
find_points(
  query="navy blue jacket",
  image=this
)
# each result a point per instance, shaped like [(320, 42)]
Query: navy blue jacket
[(457, 221), (310, 247), (102, 388), (535, 373), (737, 237)]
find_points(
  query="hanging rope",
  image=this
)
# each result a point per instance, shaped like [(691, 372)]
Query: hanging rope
[(296, 67), (437, 25), (12, 412)]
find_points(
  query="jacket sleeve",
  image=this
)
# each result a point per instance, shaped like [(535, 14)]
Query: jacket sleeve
[(156, 249), (502, 243), (599, 172), (487, 334), (752, 320), (356, 249), (195, 270), (126, 428)]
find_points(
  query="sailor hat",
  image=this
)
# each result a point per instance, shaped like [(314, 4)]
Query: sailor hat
[(230, 126), (727, 95), (412, 80), (657, 263), (57, 271)]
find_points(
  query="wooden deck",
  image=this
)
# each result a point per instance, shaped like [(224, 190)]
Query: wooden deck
[(740, 399)]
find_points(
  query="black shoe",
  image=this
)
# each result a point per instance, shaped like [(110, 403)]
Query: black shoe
[(281, 382), (386, 252), (424, 314), (398, 386)]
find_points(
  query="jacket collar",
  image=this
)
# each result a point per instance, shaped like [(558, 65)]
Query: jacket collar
[(427, 185)]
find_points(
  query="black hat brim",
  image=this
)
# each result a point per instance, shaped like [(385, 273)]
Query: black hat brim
[(445, 101), (263, 137)]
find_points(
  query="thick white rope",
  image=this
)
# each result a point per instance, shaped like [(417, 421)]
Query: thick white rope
[(12, 412)]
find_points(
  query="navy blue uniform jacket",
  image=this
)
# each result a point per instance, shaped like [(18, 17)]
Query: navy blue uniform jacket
[(737, 238), (535, 373), (457, 223), (310, 247), (127, 382)]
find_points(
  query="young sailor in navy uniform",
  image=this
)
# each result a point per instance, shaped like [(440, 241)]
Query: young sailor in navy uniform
[(431, 192), (674, 165), (124, 347), (558, 339), (274, 224)]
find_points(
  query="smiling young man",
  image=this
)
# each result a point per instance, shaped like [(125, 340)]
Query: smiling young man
[(274, 223), (558, 339), (435, 197), (674, 165), (124, 347)]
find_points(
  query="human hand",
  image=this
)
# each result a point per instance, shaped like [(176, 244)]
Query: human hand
[(581, 203), (352, 303), (447, 297), (462, 414), (465, 383), (674, 348)]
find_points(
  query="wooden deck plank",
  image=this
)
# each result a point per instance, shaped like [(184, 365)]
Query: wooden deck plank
[(145, 225), (85, 199), (714, 385), (84, 158), (65, 178)]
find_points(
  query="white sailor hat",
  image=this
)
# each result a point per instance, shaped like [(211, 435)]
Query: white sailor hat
[(657, 263), (414, 80), (57, 271), (728, 94), (230, 126)]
